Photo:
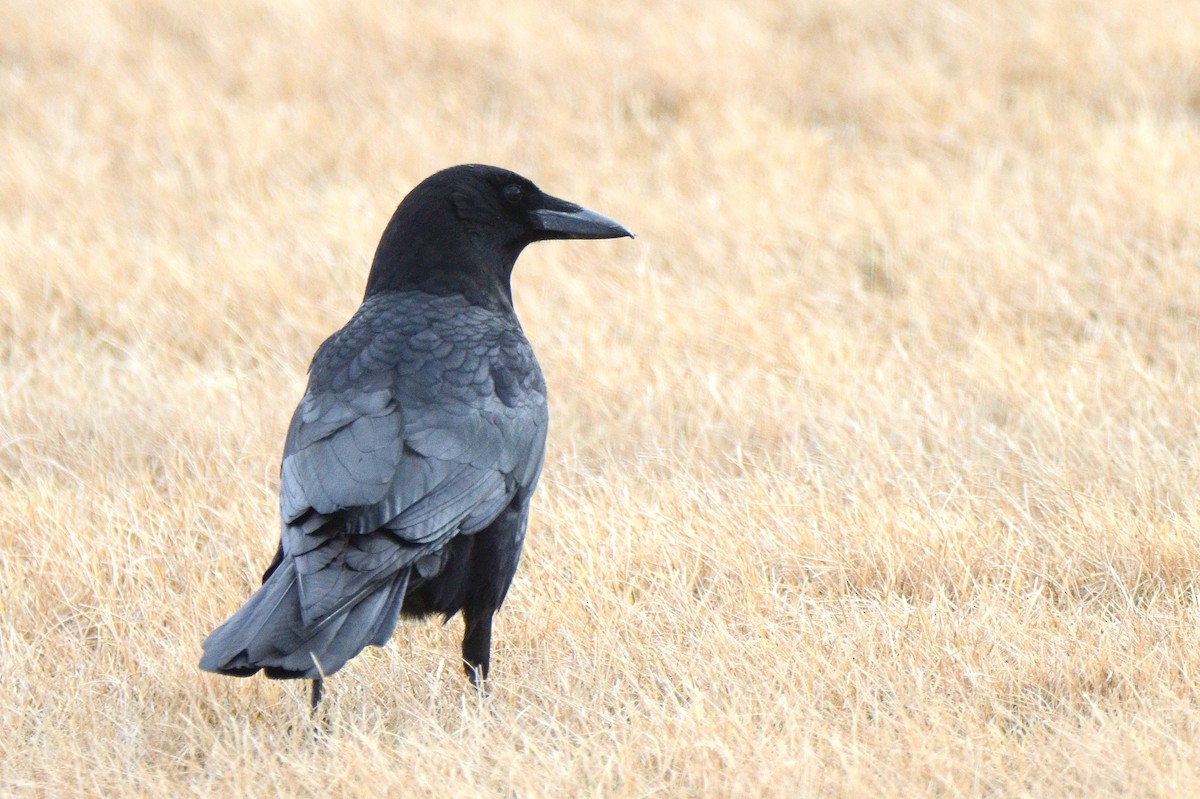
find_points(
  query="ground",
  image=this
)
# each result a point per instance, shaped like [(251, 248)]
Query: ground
[(873, 460)]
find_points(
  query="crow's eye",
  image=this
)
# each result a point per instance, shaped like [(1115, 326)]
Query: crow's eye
[(512, 193)]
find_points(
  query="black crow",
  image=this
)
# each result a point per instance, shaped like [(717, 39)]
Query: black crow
[(410, 462)]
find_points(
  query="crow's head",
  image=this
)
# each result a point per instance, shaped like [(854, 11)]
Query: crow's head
[(506, 209), (466, 225)]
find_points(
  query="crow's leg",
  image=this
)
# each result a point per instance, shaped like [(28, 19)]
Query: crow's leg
[(317, 685), (477, 644)]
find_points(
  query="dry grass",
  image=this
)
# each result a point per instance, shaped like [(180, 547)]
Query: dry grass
[(874, 459)]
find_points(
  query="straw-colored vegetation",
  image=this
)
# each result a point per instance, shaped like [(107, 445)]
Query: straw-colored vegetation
[(873, 460)]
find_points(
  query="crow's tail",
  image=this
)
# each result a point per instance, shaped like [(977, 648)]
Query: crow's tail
[(268, 632)]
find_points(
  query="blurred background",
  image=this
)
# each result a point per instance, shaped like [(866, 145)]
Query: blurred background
[(873, 459)]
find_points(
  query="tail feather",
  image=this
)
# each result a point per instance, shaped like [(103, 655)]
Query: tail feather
[(269, 632), (386, 624)]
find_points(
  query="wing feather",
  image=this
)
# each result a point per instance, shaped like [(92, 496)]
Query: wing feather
[(401, 442)]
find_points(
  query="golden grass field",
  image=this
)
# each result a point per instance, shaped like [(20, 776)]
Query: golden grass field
[(874, 460)]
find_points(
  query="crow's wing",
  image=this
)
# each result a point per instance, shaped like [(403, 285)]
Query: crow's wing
[(423, 420)]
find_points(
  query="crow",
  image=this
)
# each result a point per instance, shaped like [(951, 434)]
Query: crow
[(410, 462)]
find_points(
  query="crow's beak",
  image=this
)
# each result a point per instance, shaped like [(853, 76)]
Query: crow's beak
[(559, 219)]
